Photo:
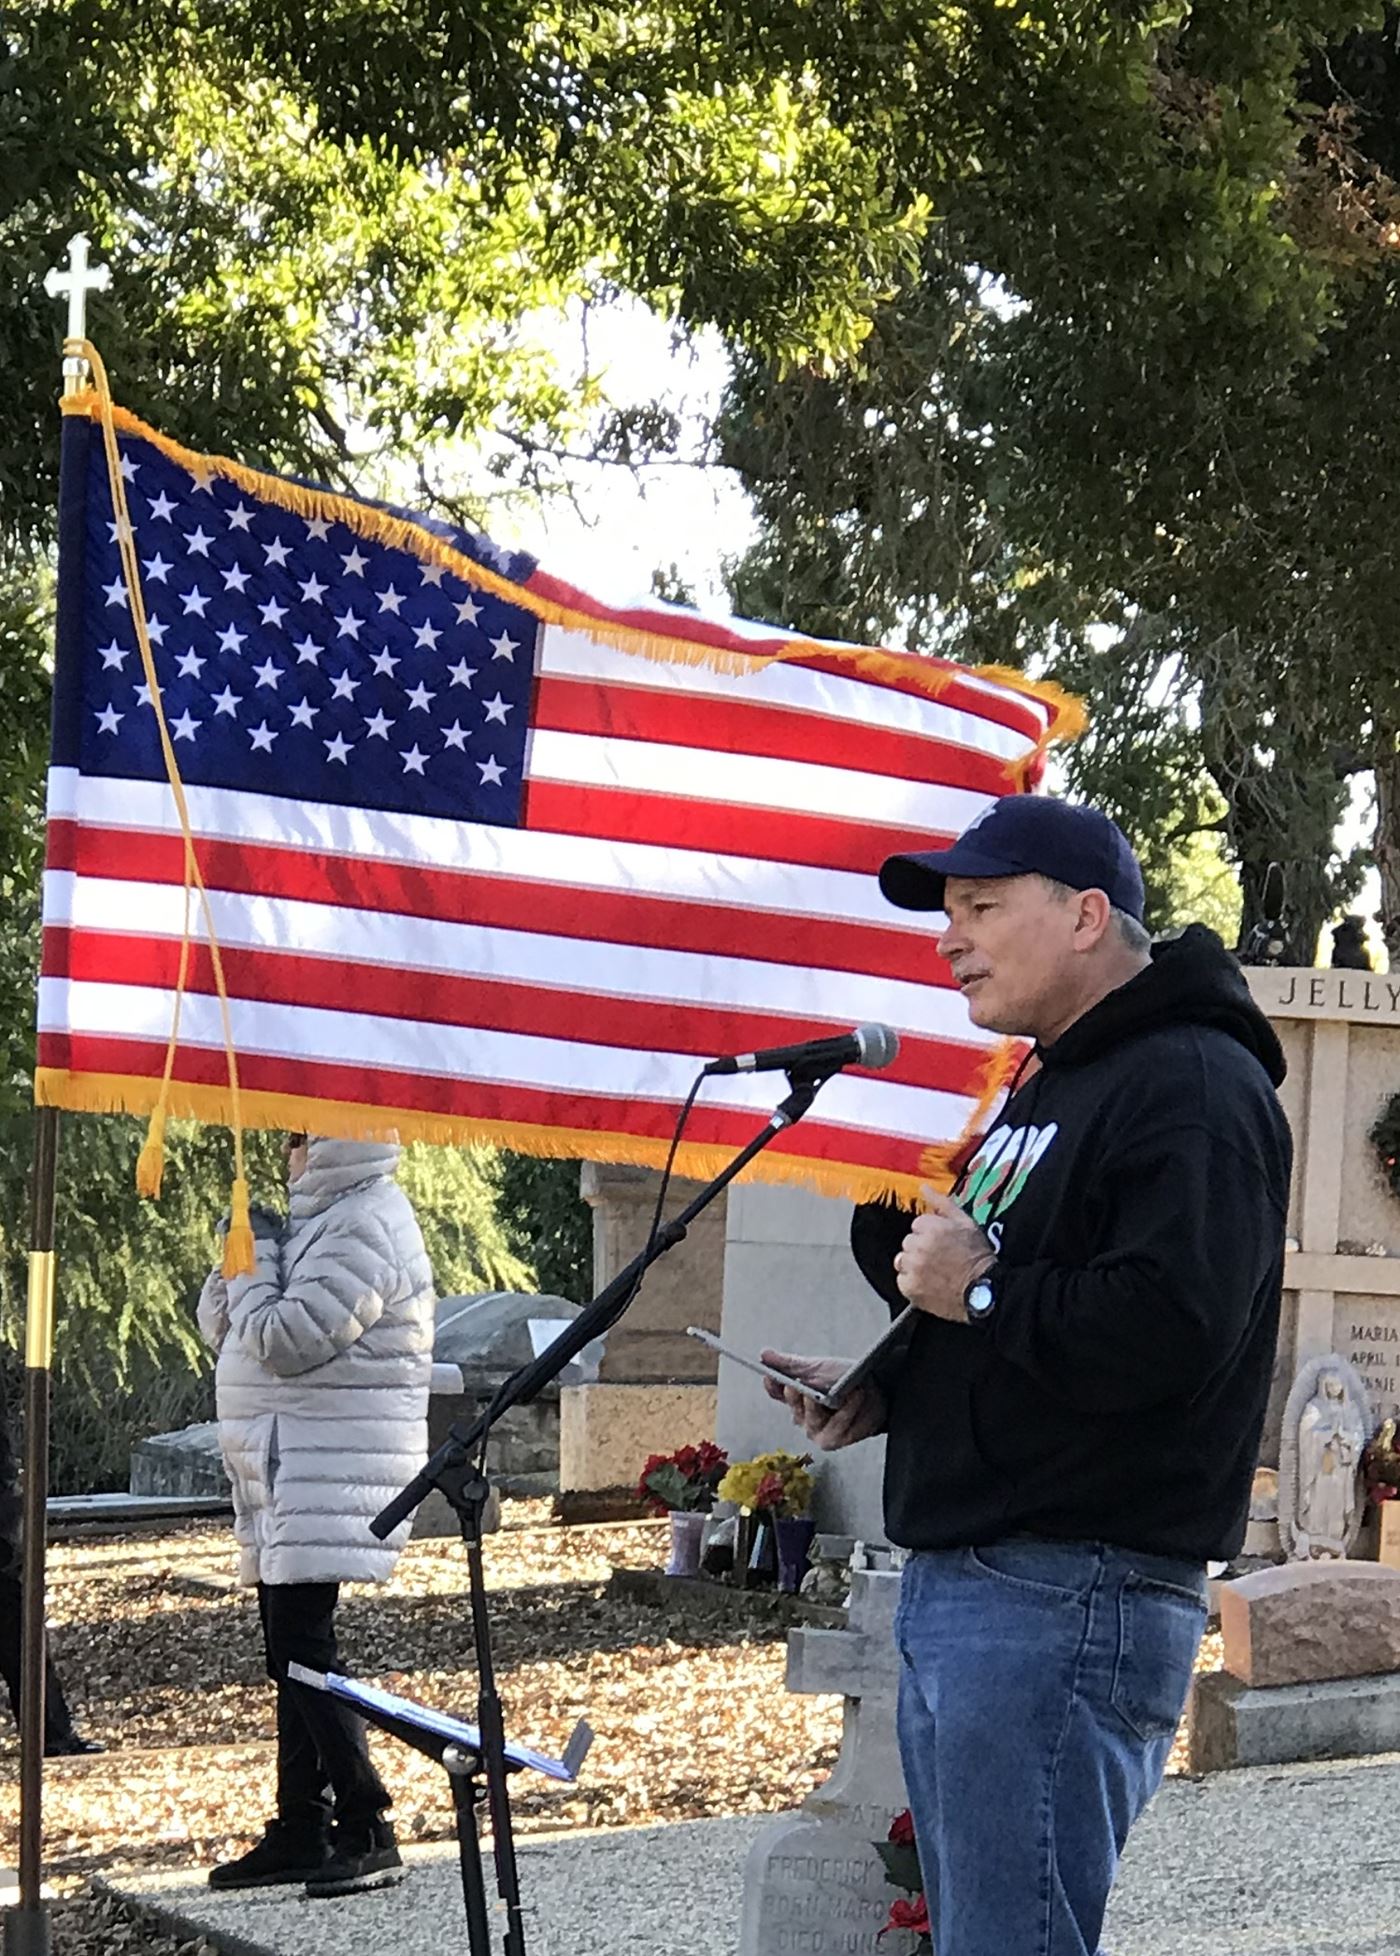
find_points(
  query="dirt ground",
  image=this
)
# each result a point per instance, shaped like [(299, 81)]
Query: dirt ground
[(160, 1654)]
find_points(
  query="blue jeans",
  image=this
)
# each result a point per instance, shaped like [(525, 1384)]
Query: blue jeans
[(1040, 1688)]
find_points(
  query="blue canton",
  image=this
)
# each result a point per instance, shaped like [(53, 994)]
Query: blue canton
[(295, 658)]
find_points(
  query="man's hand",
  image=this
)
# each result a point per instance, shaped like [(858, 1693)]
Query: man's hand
[(862, 1415), (940, 1256)]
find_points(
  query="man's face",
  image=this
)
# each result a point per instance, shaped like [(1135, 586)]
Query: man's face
[(295, 1150), (1010, 943)]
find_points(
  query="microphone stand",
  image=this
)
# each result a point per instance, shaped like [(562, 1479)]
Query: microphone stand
[(458, 1470)]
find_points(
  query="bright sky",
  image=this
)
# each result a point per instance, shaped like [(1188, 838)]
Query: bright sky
[(631, 523)]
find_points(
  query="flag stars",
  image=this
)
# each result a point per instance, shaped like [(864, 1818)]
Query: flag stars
[(129, 469), (195, 601), (191, 665), (348, 626), (385, 663), (203, 480), (462, 674), (272, 613), (157, 569), (343, 686), (185, 727), (115, 592), (109, 719), (337, 749), (276, 553), (389, 600), (505, 647), (114, 655), (456, 736), (230, 638), (235, 578), (379, 726), (161, 506), (497, 709), (156, 628), (303, 713), (354, 563), (143, 694), (228, 702), (240, 517), (269, 673), (262, 738), (420, 697), (430, 573), (317, 527), (308, 652), (120, 532), (468, 611), (491, 772), (413, 760), (313, 590), (427, 636), (198, 542)]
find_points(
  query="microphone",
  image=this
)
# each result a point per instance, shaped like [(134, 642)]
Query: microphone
[(866, 1046)]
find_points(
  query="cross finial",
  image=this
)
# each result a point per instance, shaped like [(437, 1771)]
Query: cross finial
[(79, 279)]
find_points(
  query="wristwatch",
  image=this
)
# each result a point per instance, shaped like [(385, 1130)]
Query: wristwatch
[(980, 1297)]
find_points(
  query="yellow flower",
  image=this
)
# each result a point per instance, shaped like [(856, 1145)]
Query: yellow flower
[(741, 1484)]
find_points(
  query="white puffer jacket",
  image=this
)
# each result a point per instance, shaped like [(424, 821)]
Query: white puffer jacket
[(325, 1357)]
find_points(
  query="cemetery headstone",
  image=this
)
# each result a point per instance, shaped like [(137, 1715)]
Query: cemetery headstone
[(815, 1884)]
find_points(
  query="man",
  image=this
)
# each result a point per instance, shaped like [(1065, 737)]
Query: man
[(1073, 1427), (325, 1357)]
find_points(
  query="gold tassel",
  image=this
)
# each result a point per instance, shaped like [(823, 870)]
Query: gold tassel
[(240, 1258), (151, 1161)]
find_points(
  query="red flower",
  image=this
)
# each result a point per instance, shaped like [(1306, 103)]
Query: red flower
[(902, 1829), (769, 1492), (909, 1915)]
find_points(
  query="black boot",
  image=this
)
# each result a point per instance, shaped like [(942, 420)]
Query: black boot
[(284, 1854), (69, 1745), (364, 1854)]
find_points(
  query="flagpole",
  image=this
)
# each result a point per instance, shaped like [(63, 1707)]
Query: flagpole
[(27, 1924), (27, 1927)]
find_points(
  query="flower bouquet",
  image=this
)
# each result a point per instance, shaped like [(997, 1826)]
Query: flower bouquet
[(683, 1484), (775, 1490), (901, 1859)]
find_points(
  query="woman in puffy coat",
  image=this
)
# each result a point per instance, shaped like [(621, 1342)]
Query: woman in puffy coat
[(325, 1357)]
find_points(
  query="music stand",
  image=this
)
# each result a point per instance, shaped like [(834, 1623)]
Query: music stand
[(458, 1470), (458, 1749)]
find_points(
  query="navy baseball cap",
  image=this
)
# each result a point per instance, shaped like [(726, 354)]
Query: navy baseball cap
[(1025, 835)]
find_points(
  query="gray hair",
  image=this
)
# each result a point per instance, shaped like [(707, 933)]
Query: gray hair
[(1136, 936)]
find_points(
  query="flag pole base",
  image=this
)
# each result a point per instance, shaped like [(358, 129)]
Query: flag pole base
[(28, 1931)]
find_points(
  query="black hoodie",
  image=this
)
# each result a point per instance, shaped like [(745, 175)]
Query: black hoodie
[(1135, 1189)]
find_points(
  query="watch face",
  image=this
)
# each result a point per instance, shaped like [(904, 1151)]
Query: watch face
[(980, 1298)]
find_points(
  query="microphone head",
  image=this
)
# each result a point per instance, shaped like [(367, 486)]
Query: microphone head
[(878, 1045)]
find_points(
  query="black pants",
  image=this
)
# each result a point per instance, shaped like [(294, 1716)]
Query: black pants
[(58, 1722), (323, 1763)]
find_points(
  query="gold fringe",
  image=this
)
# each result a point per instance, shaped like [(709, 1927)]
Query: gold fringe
[(1066, 721), (940, 1162), (116, 1093)]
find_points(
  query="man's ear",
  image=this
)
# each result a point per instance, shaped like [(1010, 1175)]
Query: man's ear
[(1093, 921)]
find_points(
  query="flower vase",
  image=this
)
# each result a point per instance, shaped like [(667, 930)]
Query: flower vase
[(763, 1558), (687, 1534), (746, 1528), (794, 1533)]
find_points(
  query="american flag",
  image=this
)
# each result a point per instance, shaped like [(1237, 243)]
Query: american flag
[(488, 859)]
